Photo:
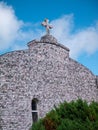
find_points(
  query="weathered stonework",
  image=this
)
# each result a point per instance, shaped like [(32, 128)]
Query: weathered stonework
[(49, 39), (97, 80), (44, 71)]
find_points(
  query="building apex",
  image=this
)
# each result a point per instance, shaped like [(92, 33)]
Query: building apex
[(48, 39)]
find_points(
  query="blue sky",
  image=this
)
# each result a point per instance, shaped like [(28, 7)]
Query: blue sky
[(75, 24)]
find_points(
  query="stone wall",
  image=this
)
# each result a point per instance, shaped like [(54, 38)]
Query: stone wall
[(14, 99), (44, 71)]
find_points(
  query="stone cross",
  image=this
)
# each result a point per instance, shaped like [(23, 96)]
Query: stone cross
[(45, 23)]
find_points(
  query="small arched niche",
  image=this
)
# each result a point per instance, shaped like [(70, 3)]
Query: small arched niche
[(34, 110)]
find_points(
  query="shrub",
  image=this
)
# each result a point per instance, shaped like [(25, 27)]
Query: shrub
[(76, 115)]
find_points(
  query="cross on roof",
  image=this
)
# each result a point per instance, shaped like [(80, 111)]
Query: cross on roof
[(46, 24)]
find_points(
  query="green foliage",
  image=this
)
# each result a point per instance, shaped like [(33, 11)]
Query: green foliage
[(76, 115), (38, 125)]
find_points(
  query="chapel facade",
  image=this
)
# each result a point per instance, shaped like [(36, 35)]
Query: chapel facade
[(32, 81)]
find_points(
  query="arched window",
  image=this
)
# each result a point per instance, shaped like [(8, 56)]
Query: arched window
[(34, 110)]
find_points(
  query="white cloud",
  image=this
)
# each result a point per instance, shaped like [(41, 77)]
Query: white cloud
[(62, 27), (85, 40), (14, 33), (9, 26)]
